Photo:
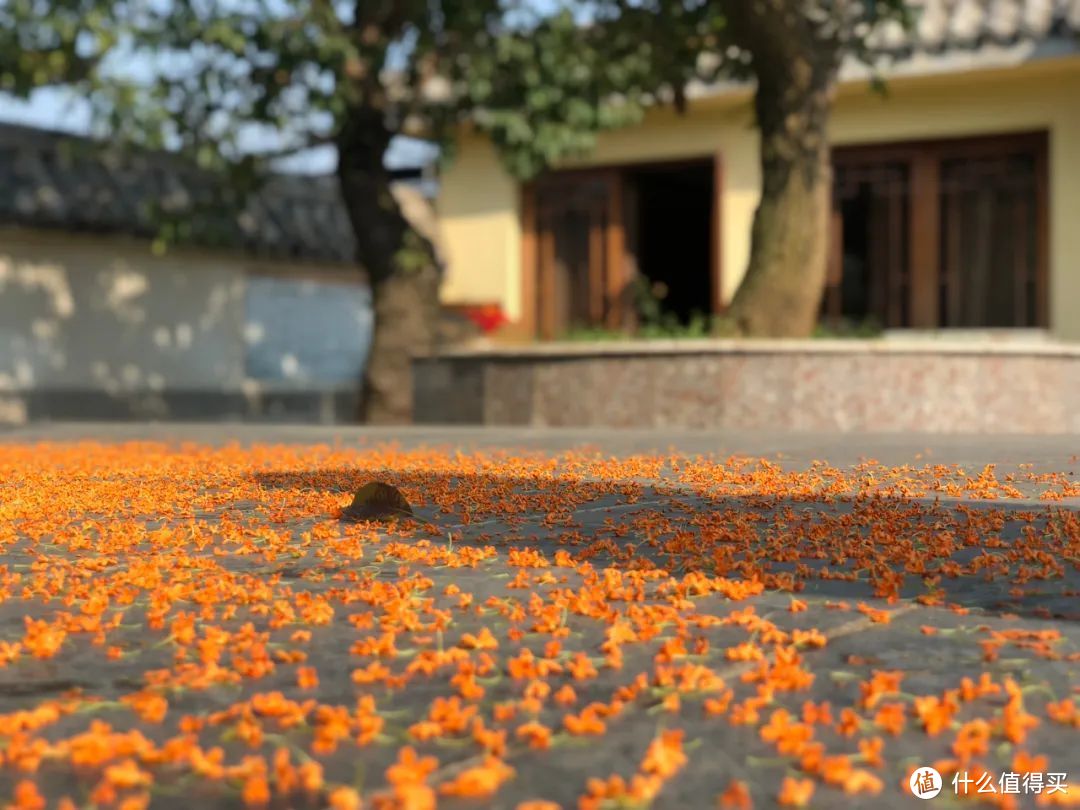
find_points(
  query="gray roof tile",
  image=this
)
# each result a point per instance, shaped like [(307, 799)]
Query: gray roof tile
[(969, 24), (51, 180)]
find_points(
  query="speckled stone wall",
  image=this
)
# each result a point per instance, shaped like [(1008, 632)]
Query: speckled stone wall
[(830, 386)]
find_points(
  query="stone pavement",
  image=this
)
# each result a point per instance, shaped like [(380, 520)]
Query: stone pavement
[(841, 449), (583, 618)]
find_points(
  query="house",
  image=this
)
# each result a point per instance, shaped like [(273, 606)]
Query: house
[(956, 192), (255, 311)]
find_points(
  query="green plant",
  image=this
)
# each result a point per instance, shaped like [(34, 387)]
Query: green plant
[(647, 300), (585, 334), (667, 328), (847, 328)]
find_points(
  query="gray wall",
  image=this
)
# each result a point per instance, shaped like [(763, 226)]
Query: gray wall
[(306, 330), (102, 324), (804, 386)]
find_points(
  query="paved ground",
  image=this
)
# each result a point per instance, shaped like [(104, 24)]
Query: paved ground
[(584, 618), (1056, 452)]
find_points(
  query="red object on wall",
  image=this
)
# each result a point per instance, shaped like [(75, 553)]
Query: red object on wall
[(488, 317)]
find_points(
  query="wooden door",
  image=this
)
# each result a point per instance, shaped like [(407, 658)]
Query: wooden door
[(578, 235)]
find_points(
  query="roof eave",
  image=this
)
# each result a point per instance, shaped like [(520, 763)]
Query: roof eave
[(923, 64)]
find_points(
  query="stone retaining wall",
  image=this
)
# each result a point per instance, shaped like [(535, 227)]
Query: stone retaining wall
[(882, 386)]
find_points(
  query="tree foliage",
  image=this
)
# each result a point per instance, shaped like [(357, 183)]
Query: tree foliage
[(236, 84), (544, 93), (239, 82), (45, 44)]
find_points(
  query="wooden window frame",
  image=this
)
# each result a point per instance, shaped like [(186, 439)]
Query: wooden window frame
[(924, 159)]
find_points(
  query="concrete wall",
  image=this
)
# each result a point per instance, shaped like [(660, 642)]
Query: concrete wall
[(909, 386), (479, 205), (103, 325), (302, 332)]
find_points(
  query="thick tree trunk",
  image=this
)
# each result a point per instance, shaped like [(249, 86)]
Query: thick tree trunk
[(405, 306), (401, 268), (781, 293)]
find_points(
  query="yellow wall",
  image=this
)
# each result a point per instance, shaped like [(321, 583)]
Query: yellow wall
[(479, 212), (478, 204)]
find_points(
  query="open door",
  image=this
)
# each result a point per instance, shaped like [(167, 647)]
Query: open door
[(587, 235), (579, 252)]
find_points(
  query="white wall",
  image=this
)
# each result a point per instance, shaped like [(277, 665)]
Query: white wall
[(303, 331), (102, 314)]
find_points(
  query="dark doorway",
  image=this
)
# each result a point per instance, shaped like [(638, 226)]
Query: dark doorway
[(670, 234)]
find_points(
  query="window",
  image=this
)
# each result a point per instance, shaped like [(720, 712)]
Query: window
[(947, 234), (988, 246)]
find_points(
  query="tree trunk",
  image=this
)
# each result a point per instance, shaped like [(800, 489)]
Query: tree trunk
[(781, 294), (405, 307), (400, 265)]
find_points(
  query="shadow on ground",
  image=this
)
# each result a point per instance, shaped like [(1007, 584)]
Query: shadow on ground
[(1013, 556)]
